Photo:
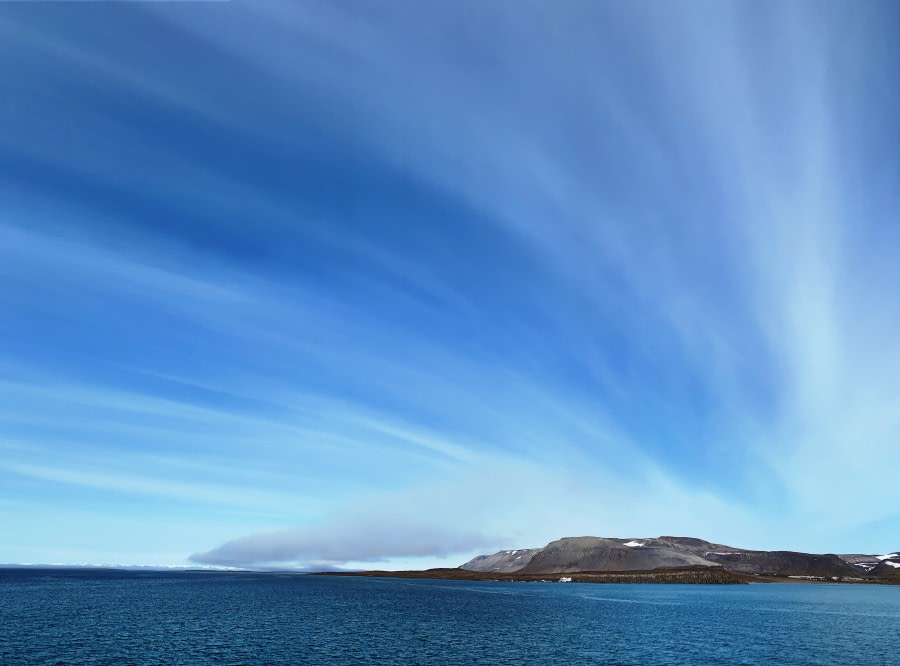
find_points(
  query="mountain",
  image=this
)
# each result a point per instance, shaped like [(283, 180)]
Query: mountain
[(506, 561), (599, 554), (573, 554), (596, 554), (784, 563)]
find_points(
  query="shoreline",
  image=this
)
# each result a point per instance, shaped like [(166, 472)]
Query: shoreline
[(684, 575), (690, 575)]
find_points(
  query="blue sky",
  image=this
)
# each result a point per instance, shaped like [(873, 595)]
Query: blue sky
[(392, 284)]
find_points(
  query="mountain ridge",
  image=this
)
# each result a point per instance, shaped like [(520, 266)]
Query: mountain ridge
[(608, 554)]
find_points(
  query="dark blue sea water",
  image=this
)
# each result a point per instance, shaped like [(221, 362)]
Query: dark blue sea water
[(103, 617)]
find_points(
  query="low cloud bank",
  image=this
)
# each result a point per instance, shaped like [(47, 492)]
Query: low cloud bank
[(321, 546)]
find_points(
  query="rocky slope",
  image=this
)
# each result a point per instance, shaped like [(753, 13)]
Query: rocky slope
[(596, 554), (784, 563), (506, 561), (888, 566), (599, 554), (864, 563)]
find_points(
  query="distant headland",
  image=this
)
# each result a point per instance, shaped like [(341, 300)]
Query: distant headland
[(664, 559)]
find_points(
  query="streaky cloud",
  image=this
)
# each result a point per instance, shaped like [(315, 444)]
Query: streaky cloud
[(527, 269)]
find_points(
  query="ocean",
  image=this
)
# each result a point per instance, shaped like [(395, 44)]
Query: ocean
[(115, 617)]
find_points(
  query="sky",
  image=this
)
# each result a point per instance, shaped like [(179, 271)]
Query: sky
[(389, 285)]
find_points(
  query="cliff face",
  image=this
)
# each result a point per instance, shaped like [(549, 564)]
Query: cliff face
[(597, 554)]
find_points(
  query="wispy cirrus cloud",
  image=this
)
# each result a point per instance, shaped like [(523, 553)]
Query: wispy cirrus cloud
[(383, 256)]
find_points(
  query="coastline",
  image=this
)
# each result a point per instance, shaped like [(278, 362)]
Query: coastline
[(691, 575), (679, 575)]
